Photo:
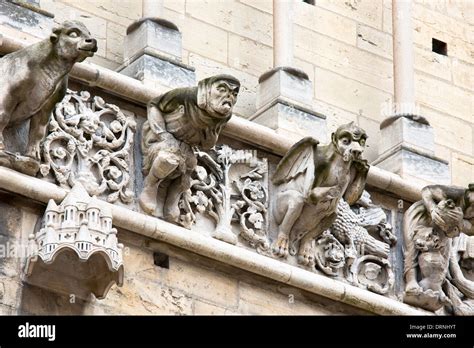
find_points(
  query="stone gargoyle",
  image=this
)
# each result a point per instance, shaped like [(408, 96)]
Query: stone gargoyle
[(431, 264), (33, 80), (178, 121), (310, 180)]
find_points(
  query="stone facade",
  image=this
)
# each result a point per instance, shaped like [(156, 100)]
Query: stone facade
[(345, 49)]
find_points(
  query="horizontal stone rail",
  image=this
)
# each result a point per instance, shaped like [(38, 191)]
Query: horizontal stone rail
[(238, 128), (41, 191)]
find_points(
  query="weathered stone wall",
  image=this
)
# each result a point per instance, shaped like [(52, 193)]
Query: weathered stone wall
[(342, 45), (188, 284)]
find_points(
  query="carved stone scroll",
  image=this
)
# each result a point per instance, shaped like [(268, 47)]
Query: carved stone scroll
[(90, 141), (230, 187)]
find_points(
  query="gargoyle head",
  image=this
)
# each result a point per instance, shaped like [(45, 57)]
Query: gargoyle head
[(349, 140), (452, 215), (469, 202), (218, 95), (426, 240), (73, 42)]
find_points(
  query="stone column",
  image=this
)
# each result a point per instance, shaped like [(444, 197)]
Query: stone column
[(152, 50), (285, 93), (282, 33), (26, 16), (407, 139), (152, 8), (403, 62)]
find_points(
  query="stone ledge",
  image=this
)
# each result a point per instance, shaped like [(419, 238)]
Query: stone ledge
[(154, 228)]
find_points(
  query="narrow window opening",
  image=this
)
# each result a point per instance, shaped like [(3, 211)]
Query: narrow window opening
[(311, 2), (440, 47), (161, 260)]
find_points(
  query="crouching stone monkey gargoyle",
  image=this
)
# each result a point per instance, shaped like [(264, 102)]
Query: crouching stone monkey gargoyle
[(179, 120), (310, 180), (429, 228), (33, 80)]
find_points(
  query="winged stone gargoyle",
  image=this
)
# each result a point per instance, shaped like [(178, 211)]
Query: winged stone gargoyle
[(310, 180)]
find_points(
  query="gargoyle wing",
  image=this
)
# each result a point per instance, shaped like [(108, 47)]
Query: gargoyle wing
[(299, 160)]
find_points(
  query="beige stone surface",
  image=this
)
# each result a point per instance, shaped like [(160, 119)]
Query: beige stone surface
[(347, 60), (206, 40), (444, 97), (209, 285), (349, 95), (325, 22), (256, 300), (122, 12), (450, 132), (115, 37), (235, 17), (462, 169), (374, 41), (365, 11), (432, 63), (204, 308), (248, 55), (463, 74)]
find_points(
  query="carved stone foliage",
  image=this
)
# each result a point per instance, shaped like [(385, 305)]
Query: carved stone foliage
[(438, 263), (349, 251), (90, 141), (78, 244), (229, 186), (309, 182), (33, 80)]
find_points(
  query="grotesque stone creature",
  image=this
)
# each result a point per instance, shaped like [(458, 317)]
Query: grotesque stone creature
[(433, 253), (429, 227), (310, 180), (177, 121), (35, 78)]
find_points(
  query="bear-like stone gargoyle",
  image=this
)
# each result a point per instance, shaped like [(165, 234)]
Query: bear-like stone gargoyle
[(33, 80)]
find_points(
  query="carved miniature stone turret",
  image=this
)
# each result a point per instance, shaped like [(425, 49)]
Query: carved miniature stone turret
[(76, 231)]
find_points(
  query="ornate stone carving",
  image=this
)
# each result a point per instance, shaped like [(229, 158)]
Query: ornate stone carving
[(227, 197), (76, 229), (310, 180), (177, 121), (433, 272), (33, 80), (90, 141), (348, 250)]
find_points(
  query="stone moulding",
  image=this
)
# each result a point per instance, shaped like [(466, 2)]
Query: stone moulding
[(192, 241), (78, 245)]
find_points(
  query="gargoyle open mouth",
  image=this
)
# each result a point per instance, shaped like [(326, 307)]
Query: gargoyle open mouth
[(227, 103), (92, 49)]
